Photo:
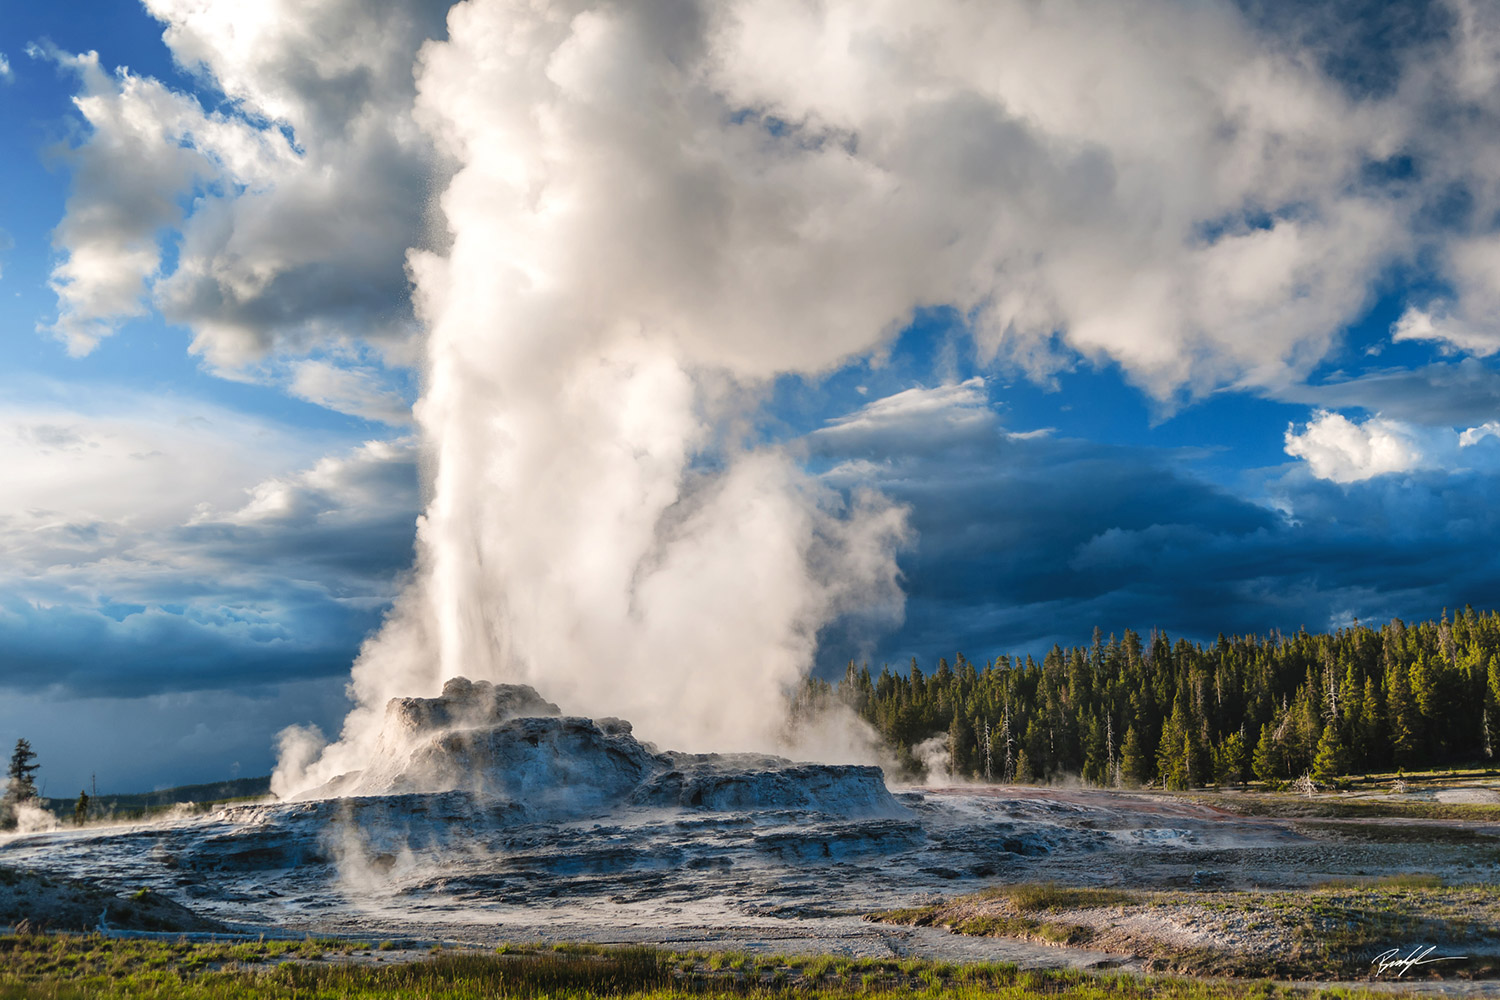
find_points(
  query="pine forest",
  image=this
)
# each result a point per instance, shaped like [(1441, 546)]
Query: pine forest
[(1127, 712)]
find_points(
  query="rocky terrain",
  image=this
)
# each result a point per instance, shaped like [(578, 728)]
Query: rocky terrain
[(488, 816), (507, 746), (35, 902)]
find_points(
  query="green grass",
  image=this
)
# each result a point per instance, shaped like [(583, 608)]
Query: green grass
[(1405, 881), (1027, 899), (990, 925), (1330, 807), (1405, 832), (73, 967), (86, 966), (1032, 897)]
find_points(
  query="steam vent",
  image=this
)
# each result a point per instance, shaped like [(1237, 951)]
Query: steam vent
[(506, 743)]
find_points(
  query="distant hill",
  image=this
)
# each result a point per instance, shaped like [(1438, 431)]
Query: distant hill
[(141, 803)]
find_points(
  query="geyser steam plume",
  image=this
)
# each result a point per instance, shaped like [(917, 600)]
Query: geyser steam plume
[(656, 207), (627, 264)]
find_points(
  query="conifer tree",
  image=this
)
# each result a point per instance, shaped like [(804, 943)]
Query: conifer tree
[(1266, 762), (1331, 760), (1095, 753), (22, 773), (1229, 760), (1402, 695), (959, 752), (1189, 776), (21, 784), (1494, 679), (1134, 765), (1370, 740), (1402, 725), (1169, 762), (1301, 742), (1035, 751)]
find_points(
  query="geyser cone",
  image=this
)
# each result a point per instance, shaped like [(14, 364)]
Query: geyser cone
[(505, 745)]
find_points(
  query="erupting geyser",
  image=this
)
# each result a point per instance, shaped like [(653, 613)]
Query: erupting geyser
[(626, 266), (650, 211)]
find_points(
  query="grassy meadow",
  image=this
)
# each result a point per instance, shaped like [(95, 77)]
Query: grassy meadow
[(64, 967)]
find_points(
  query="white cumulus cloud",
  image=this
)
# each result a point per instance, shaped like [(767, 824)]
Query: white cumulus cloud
[(1341, 450), (294, 207), (1152, 182), (146, 146), (1336, 448), (1474, 435)]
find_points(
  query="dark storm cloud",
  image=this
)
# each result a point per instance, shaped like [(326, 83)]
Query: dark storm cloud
[(284, 588), (132, 744), (223, 640), (1022, 543)]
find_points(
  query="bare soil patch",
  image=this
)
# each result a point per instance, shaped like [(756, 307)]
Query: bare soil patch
[(1332, 931)]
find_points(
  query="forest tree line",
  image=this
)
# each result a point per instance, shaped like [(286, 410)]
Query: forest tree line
[(1123, 711)]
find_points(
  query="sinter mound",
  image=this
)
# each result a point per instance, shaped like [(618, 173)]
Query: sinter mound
[(505, 743)]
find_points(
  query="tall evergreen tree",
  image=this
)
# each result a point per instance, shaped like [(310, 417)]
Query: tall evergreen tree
[(1331, 760), (1230, 759), (1171, 764), (1402, 720), (1266, 760), (22, 773), (1095, 753), (1135, 766), (1370, 742), (960, 747)]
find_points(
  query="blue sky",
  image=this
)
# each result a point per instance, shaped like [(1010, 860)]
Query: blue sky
[(1275, 409)]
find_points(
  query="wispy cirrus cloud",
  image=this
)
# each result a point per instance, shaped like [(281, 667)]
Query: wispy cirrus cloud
[(359, 390)]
